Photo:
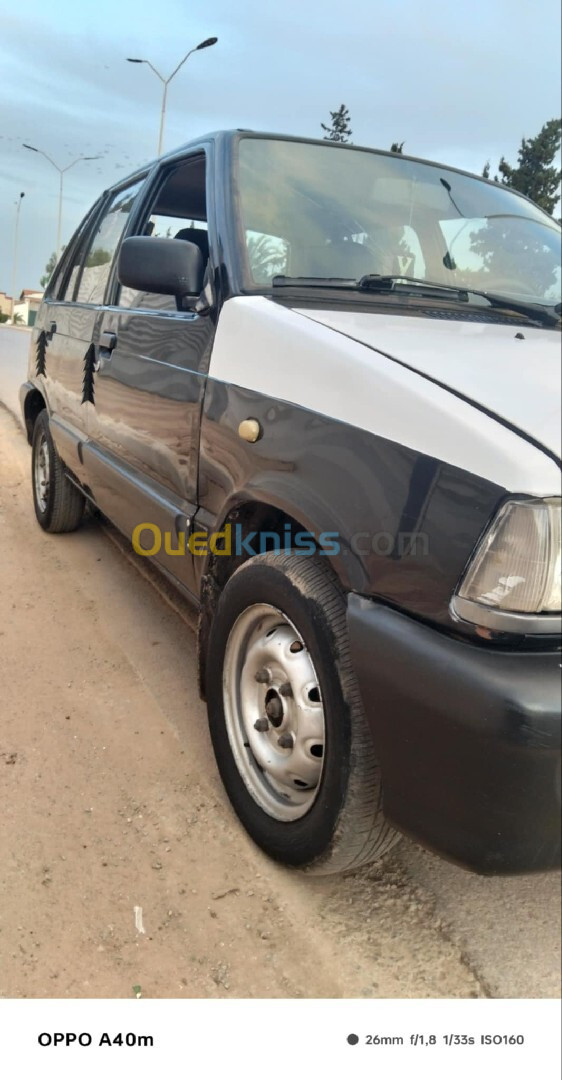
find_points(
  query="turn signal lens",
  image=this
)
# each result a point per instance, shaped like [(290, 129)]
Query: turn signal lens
[(517, 567)]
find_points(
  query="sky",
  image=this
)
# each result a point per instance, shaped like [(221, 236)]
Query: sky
[(460, 83)]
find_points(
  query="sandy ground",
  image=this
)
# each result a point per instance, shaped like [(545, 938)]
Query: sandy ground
[(114, 821)]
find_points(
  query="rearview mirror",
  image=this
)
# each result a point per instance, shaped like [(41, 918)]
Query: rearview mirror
[(161, 265)]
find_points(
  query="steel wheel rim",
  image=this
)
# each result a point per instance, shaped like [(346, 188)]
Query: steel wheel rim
[(273, 712), (42, 474)]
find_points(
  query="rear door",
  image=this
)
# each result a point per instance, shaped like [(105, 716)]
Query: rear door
[(57, 363), (67, 336), (149, 384)]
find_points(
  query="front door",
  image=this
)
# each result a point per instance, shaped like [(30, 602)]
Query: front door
[(148, 389)]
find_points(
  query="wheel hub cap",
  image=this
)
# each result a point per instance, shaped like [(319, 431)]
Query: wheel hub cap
[(42, 471), (274, 713)]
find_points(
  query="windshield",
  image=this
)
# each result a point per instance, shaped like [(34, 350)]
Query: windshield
[(310, 210)]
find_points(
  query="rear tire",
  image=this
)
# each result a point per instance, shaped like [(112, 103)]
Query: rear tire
[(59, 505), (283, 617)]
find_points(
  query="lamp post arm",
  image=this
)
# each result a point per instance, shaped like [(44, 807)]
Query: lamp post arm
[(180, 65), (53, 163), (75, 162), (156, 72)]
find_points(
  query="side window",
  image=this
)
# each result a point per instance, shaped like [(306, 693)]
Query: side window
[(178, 211), (58, 287), (71, 284), (93, 268)]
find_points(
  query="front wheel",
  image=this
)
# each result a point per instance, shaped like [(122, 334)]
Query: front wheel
[(291, 741)]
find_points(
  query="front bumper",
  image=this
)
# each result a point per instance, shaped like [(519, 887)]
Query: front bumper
[(468, 740)]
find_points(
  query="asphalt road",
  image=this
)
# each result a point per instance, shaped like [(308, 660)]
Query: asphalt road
[(413, 926)]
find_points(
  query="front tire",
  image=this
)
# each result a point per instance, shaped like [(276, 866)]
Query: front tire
[(59, 506), (290, 737)]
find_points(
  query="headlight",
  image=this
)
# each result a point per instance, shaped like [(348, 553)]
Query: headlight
[(513, 582)]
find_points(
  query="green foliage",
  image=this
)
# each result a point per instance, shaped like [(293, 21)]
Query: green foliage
[(98, 257), (267, 257), (49, 268), (535, 175), (3, 318), (503, 245), (513, 258), (397, 148), (338, 130)]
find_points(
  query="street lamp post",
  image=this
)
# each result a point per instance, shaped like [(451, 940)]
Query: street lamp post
[(15, 265), (166, 82), (61, 171)]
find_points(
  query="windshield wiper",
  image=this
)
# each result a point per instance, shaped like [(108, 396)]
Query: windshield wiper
[(374, 282), (282, 281), (399, 284), (546, 316)]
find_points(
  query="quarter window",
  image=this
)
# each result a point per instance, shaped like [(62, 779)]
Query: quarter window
[(59, 287), (93, 272)]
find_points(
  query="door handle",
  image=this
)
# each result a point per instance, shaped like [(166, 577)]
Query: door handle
[(51, 331), (108, 341)]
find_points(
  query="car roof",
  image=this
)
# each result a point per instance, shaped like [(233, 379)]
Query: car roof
[(233, 134)]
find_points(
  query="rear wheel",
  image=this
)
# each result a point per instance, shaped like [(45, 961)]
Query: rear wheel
[(287, 724), (59, 506)]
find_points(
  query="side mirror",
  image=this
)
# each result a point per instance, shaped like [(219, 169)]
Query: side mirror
[(161, 265)]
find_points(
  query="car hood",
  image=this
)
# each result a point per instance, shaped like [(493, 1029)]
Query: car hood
[(510, 371)]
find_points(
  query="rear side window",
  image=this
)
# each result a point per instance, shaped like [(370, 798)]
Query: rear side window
[(93, 271)]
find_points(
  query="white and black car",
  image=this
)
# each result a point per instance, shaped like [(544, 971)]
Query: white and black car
[(319, 386)]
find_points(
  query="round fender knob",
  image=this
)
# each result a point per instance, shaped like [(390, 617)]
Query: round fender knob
[(250, 430)]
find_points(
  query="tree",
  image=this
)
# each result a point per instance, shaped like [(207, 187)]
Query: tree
[(339, 129), (98, 257), (397, 148), (535, 175), (509, 250), (267, 257), (51, 263)]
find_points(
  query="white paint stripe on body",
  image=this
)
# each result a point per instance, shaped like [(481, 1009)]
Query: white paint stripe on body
[(272, 350)]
